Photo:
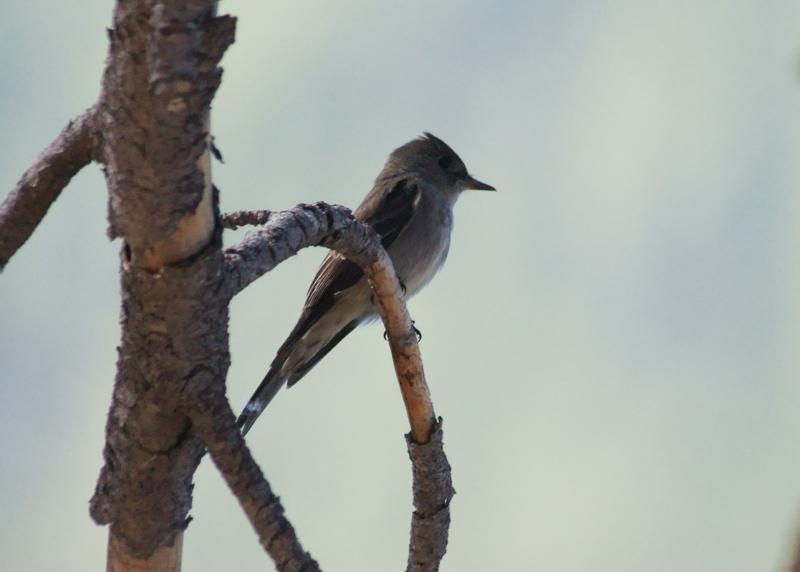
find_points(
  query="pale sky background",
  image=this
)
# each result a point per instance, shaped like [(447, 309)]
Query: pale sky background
[(613, 342)]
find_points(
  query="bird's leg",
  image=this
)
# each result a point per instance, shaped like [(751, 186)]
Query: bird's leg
[(404, 290), (416, 332)]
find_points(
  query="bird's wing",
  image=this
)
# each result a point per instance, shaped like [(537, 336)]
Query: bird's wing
[(388, 216)]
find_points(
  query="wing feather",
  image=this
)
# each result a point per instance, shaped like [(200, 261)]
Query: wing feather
[(388, 217)]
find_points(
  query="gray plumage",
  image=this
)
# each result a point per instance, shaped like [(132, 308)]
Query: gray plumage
[(411, 207)]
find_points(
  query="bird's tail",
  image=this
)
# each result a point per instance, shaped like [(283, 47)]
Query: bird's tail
[(269, 387), (290, 365)]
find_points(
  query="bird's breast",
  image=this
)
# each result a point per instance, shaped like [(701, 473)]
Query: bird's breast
[(421, 249)]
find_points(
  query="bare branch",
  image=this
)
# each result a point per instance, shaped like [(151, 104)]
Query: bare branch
[(214, 421), (285, 233), (334, 227), (433, 491), (27, 203), (236, 219)]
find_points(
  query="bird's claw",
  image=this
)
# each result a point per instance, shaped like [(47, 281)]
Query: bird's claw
[(413, 327)]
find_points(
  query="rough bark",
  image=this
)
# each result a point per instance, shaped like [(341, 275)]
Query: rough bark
[(161, 74), (27, 203), (174, 327), (215, 423), (238, 219), (433, 491)]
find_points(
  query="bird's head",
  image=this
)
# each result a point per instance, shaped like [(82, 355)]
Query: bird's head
[(431, 158)]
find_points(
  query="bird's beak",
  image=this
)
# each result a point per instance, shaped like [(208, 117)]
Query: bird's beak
[(474, 184)]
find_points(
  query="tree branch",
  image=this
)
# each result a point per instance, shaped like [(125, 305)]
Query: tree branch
[(161, 76), (215, 423), (234, 220), (334, 227), (27, 203), (433, 491), (162, 72)]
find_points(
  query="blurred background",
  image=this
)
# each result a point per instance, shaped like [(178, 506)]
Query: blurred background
[(613, 342)]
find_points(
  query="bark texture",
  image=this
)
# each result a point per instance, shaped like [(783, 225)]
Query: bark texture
[(215, 423), (433, 491), (238, 219), (161, 74), (28, 202), (174, 326)]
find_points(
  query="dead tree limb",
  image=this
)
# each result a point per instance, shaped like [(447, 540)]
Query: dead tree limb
[(214, 422), (332, 226), (28, 202), (161, 75), (238, 219), (150, 129), (433, 491)]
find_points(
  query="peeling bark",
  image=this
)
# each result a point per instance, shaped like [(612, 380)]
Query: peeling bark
[(161, 75)]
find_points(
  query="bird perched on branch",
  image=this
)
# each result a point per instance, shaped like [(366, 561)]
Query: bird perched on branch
[(411, 207)]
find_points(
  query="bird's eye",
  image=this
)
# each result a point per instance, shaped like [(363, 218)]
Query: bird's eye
[(445, 162)]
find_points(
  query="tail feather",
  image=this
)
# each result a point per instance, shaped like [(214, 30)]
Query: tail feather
[(274, 380), (269, 388)]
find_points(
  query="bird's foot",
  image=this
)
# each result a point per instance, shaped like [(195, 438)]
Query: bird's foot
[(416, 332)]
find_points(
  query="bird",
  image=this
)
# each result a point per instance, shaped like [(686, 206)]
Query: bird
[(410, 206)]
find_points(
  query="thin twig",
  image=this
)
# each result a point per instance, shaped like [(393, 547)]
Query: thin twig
[(237, 219), (27, 203)]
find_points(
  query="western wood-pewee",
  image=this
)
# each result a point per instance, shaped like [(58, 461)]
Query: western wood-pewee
[(411, 207)]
